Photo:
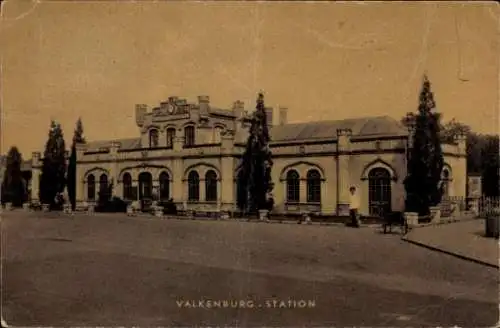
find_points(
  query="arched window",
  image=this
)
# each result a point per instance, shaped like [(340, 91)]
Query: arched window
[(292, 187), (170, 137), (153, 138), (313, 186), (103, 184), (217, 135), (164, 186), (211, 186), (91, 187), (189, 136), (446, 182), (193, 186), (379, 191), (127, 186)]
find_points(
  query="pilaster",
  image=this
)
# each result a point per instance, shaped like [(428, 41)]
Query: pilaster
[(80, 173), (226, 181), (113, 170), (36, 170), (178, 193), (343, 180)]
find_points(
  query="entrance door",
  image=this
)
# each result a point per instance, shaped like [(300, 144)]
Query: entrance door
[(145, 189), (379, 186)]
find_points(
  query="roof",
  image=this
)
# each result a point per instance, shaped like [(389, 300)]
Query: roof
[(129, 143), (362, 127), (377, 126)]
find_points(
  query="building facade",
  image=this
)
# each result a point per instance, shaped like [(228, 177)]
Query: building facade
[(190, 152)]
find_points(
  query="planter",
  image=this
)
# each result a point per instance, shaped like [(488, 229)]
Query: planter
[(435, 212), (45, 207), (130, 210), (223, 215), (8, 206), (411, 218), (263, 215), (91, 209), (158, 211), (67, 208), (306, 218), (492, 226), (26, 207)]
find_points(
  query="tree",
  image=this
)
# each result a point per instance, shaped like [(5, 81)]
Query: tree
[(254, 174), (71, 182), (14, 187), (53, 177), (425, 164)]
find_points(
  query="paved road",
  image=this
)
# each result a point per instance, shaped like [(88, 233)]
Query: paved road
[(116, 271)]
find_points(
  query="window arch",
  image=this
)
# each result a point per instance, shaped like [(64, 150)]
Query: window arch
[(211, 186), (91, 187), (153, 138), (313, 186), (189, 139), (193, 186), (103, 184), (127, 186), (292, 186), (170, 137), (164, 186)]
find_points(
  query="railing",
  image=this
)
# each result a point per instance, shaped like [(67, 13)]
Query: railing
[(456, 205)]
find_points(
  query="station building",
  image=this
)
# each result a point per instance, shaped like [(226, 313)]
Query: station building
[(190, 152)]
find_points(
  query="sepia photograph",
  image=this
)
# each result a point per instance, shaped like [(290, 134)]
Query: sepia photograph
[(249, 163)]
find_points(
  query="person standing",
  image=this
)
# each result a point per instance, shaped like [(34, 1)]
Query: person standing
[(354, 203)]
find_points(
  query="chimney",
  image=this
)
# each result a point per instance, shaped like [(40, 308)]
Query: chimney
[(140, 114), (269, 116), (283, 118), (238, 109), (204, 104)]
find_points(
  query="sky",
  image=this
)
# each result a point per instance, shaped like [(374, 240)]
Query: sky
[(323, 61)]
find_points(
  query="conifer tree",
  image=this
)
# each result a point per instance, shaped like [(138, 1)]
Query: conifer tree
[(255, 184), (13, 185), (53, 179), (425, 163), (71, 183)]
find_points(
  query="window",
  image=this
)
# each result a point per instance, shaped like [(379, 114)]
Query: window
[(153, 138), (164, 186), (189, 136), (293, 186), (91, 187), (127, 186), (313, 186), (217, 135), (193, 186), (103, 184), (211, 186), (446, 183), (170, 137)]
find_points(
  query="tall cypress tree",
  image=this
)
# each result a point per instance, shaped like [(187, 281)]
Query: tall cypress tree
[(13, 185), (255, 184), (53, 179), (425, 164), (71, 183)]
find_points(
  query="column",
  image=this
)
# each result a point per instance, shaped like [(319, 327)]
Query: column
[(303, 194), (343, 183), (36, 165)]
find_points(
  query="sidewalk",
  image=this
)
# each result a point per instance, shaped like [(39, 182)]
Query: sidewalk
[(461, 239)]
